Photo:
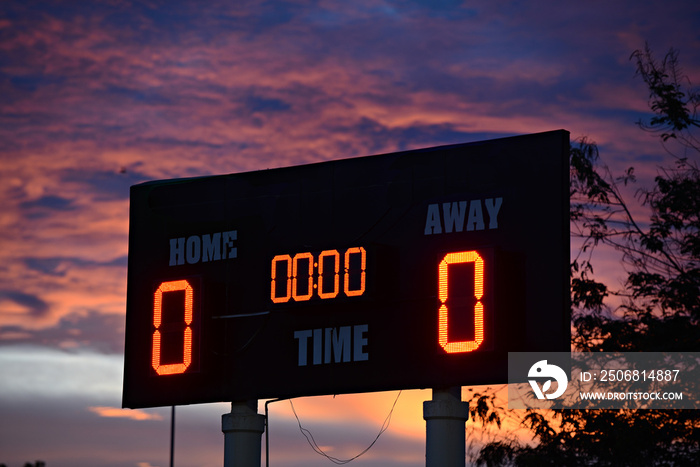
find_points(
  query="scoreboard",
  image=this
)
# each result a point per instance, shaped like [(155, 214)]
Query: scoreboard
[(415, 269)]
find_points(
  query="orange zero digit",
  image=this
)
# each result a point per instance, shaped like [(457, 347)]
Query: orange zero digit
[(288, 279), (180, 367), (322, 262), (444, 294), (357, 272), (308, 277)]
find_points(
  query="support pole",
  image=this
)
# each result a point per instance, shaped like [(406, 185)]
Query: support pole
[(445, 417), (172, 436), (243, 429)]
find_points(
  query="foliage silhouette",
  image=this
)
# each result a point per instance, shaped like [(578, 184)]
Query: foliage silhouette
[(659, 304)]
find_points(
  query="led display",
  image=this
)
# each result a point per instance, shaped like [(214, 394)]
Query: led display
[(461, 257), (414, 269), (180, 367)]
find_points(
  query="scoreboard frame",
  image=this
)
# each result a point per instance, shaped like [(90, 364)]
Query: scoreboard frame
[(407, 270)]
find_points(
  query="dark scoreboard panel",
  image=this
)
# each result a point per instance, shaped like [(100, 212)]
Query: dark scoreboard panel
[(407, 270)]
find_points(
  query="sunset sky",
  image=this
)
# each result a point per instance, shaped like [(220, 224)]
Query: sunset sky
[(97, 96)]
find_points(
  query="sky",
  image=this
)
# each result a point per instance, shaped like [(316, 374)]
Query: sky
[(98, 96)]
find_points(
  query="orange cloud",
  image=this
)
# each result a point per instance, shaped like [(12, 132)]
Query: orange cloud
[(114, 412)]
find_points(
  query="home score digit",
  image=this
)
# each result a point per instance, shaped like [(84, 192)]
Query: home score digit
[(407, 270)]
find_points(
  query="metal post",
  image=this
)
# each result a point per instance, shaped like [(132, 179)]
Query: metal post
[(243, 429), (445, 416), (172, 436)]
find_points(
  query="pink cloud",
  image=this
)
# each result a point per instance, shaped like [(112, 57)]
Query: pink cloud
[(114, 412), (91, 105)]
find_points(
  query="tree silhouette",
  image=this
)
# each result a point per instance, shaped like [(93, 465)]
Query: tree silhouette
[(659, 306)]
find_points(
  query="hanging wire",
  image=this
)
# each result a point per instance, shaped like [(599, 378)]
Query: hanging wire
[(314, 445)]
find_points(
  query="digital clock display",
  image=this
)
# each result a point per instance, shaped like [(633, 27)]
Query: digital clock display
[(406, 270), (294, 278)]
